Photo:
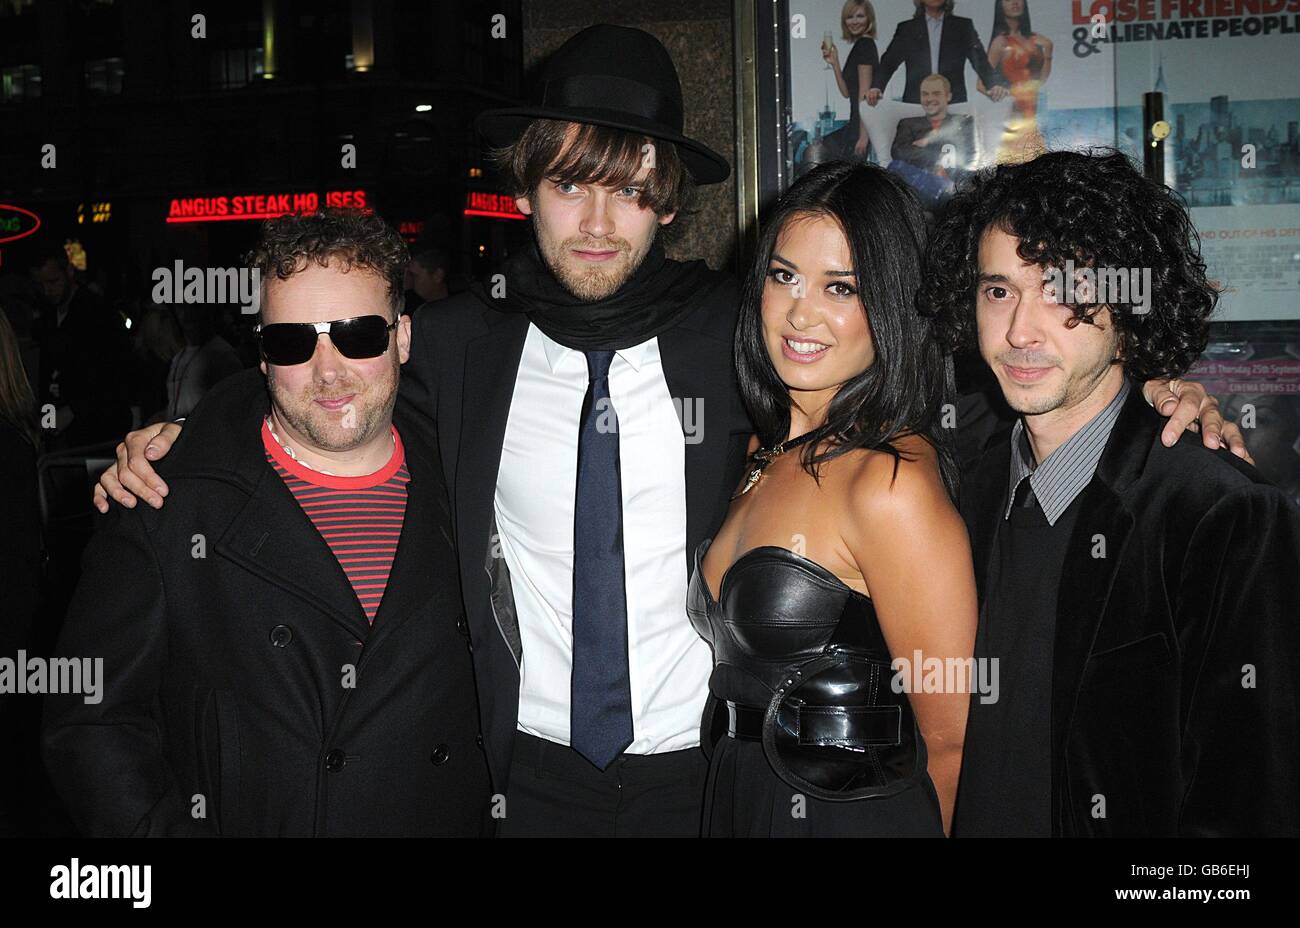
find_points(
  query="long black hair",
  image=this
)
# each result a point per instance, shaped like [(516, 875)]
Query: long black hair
[(906, 388), (1000, 25)]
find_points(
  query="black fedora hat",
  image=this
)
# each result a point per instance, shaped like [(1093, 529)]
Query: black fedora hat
[(611, 76)]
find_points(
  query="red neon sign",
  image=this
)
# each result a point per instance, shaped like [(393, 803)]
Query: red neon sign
[(411, 229), (13, 224), (259, 206), (494, 205)]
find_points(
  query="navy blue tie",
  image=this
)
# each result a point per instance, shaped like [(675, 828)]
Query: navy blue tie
[(601, 716)]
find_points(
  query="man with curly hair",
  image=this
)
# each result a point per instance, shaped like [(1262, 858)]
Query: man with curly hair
[(1139, 599), (284, 643)]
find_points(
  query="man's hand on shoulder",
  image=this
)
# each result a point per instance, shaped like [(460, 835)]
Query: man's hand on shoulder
[(1189, 407), (133, 476)]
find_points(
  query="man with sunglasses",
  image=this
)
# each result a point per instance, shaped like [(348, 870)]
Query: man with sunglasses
[(284, 646)]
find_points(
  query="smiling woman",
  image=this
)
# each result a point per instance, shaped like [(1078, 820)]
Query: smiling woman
[(851, 552), (861, 245)]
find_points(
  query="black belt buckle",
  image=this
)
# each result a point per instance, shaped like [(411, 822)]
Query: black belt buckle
[(744, 723)]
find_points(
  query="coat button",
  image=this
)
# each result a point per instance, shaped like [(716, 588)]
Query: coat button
[(281, 635), (440, 755), (462, 625), (335, 761), (478, 739)]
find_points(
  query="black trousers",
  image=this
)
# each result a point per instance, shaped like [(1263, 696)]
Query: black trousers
[(555, 792)]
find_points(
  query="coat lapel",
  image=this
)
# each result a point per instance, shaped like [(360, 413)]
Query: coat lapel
[(950, 49), (1087, 578), (491, 367), (696, 370), (413, 580), (983, 498), (273, 538)]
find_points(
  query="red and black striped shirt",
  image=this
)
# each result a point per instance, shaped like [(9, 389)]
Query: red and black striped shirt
[(360, 518)]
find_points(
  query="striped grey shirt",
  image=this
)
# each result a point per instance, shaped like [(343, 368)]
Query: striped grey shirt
[(1068, 469)]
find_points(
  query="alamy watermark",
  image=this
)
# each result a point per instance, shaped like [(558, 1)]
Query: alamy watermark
[(919, 674), (208, 285), (689, 410), (1109, 286), (76, 880), (63, 675)]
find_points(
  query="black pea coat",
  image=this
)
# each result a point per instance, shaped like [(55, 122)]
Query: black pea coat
[(229, 633)]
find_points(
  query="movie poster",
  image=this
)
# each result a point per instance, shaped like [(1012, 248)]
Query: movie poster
[(1009, 78), (941, 95)]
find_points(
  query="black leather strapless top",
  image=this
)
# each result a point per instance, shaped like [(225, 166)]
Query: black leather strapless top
[(776, 609)]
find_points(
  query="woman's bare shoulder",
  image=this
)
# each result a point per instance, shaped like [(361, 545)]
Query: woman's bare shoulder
[(908, 485)]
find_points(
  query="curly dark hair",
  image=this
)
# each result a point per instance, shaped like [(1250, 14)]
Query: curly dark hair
[(356, 238), (1093, 209)]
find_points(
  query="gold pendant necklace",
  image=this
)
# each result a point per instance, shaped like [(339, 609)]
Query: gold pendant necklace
[(765, 456)]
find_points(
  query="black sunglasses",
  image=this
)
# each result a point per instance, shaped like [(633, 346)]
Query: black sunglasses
[(289, 343)]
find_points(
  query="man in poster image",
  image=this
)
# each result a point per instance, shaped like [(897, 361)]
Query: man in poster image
[(1140, 599), (934, 152), (933, 41)]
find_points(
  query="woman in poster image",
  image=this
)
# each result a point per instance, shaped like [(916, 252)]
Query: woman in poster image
[(843, 530), (853, 78), (1025, 58)]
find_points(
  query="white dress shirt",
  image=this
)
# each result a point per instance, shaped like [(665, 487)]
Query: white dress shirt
[(668, 663), (935, 23)]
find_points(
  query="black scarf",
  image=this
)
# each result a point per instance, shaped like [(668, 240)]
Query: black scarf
[(657, 296)]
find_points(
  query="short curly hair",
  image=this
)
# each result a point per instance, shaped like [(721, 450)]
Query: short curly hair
[(355, 238), (1093, 209)]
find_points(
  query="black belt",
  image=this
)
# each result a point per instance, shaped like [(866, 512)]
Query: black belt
[(744, 723), (855, 727)]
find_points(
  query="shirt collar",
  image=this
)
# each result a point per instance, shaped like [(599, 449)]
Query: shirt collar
[(635, 356), (1058, 480)]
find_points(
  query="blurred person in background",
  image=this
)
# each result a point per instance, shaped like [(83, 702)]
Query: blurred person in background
[(426, 277), (205, 360), (158, 339), (83, 346), (20, 550)]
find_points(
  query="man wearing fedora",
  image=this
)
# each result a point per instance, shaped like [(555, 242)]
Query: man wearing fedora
[(591, 432)]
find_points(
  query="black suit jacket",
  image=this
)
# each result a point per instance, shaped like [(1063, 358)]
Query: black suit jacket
[(227, 626), (958, 43), (464, 359), (955, 130), (1182, 569)]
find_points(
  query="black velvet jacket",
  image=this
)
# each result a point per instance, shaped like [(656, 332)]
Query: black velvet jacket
[(1176, 690)]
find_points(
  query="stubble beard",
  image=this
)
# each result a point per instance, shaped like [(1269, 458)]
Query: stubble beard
[(372, 408), (595, 281)]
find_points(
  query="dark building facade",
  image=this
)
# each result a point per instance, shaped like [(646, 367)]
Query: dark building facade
[(149, 130)]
